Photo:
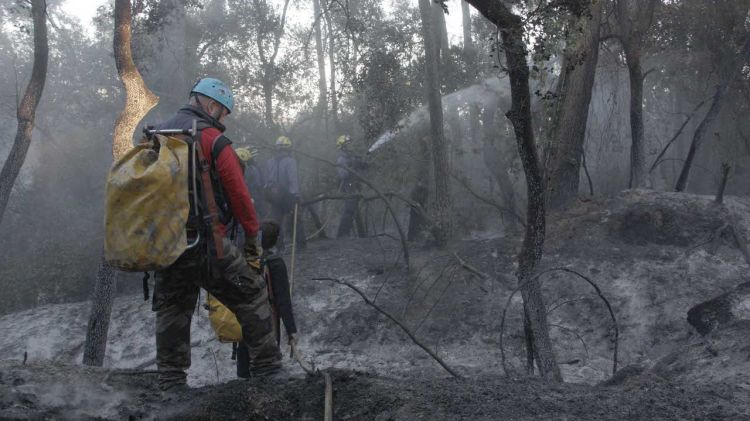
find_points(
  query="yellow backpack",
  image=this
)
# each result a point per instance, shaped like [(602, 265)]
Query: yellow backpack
[(147, 206)]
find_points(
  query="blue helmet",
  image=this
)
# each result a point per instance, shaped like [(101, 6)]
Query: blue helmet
[(216, 90)]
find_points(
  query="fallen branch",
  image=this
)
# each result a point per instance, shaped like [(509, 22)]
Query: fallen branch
[(394, 320), (474, 271), (537, 276)]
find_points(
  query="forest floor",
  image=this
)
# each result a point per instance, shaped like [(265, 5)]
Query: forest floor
[(654, 256)]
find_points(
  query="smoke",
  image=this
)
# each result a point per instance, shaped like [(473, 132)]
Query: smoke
[(481, 95)]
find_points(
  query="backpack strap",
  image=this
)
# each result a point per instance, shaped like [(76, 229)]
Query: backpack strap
[(220, 143), (212, 219)]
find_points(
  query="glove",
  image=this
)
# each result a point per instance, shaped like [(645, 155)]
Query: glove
[(252, 252)]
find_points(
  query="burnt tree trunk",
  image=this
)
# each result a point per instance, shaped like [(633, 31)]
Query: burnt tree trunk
[(512, 31), (138, 101), (442, 202), (27, 109), (568, 130)]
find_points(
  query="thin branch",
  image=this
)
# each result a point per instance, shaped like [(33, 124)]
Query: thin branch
[(577, 335), (657, 161), (394, 320)]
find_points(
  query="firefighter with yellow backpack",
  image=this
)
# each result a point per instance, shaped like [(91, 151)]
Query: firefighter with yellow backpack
[(153, 222)]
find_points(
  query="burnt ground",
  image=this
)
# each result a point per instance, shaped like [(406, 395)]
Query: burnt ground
[(653, 255), (76, 393)]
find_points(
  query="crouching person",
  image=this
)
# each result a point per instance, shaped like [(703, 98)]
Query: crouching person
[(281, 299), (232, 275)]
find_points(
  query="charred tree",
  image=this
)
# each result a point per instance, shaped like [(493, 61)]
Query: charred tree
[(26, 112), (729, 73), (698, 136), (138, 101), (631, 24), (512, 31), (442, 202), (568, 129)]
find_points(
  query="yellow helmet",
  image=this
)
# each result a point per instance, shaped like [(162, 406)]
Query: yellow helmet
[(283, 142), (246, 153), (343, 140)]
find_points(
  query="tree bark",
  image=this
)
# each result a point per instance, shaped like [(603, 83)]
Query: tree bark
[(268, 86), (441, 31), (632, 22), (512, 32), (332, 63), (638, 147), (27, 108), (568, 130), (442, 203), (466, 24), (138, 101), (322, 85)]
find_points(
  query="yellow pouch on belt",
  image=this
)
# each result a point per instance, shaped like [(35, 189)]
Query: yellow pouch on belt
[(223, 321)]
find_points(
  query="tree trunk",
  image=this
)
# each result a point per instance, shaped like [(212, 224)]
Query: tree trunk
[(698, 136), (268, 98), (138, 101), (27, 109), (322, 85), (442, 202), (466, 23), (332, 60), (568, 130), (638, 176), (519, 115), (632, 21), (440, 31)]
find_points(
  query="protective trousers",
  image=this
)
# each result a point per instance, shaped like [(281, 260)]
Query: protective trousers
[(232, 282)]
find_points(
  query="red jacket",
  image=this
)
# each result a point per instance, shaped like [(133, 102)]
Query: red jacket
[(232, 180)]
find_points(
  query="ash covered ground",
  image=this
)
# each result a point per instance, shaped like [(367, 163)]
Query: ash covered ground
[(654, 256)]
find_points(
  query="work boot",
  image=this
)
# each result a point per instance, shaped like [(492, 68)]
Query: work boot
[(172, 381), (267, 367)]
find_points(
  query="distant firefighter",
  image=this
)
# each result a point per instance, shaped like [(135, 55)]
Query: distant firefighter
[(349, 185), (282, 190)]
